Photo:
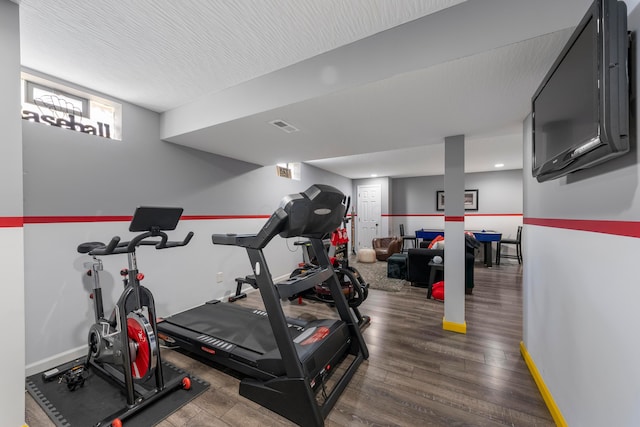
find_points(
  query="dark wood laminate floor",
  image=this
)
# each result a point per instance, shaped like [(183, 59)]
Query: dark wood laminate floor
[(417, 373)]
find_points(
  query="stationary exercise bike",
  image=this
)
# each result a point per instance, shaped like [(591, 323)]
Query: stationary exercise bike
[(124, 347), (354, 287)]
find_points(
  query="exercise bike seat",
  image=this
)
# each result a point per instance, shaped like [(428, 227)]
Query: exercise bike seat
[(86, 247)]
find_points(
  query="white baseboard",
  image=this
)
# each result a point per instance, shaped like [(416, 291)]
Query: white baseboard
[(56, 360)]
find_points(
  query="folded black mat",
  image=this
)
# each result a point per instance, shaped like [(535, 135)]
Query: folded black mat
[(99, 398)]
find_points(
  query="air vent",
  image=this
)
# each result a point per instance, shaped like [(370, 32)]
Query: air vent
[(286, 127)]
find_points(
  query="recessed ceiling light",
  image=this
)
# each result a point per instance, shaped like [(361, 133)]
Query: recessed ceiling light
[(499, 165), (374, 175)]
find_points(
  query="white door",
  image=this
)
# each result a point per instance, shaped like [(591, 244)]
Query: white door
[(369, 207)]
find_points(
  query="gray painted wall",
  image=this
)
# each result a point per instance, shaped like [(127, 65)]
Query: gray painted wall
[(73, 174), (498, 192), (582, 195), (580, 287), (416, 194), (10, 149), (12, 311)]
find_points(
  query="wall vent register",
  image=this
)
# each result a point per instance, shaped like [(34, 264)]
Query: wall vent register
[(284, 126)]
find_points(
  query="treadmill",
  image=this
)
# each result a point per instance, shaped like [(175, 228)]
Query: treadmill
[(286, 362)]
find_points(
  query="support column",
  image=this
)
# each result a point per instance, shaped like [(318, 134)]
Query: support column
[(12, 311), (454, 319)]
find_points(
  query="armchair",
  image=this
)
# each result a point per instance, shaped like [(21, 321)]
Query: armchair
[(386, 246)]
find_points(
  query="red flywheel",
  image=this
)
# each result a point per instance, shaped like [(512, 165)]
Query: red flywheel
[(143, 346)]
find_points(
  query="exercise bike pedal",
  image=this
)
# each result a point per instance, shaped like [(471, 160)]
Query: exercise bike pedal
[(73, 378)]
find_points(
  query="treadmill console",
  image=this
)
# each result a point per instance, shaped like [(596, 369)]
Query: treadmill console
[(313, 213)]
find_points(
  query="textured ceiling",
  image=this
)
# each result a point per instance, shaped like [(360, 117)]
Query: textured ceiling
[(162, 53), (373, 85)]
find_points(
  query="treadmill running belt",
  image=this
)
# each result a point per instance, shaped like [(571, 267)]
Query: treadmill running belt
[(243, 327)]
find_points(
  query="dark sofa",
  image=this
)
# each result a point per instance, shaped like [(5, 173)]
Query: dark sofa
[(418, 269), (418, 265)]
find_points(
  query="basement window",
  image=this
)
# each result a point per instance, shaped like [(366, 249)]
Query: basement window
[(53, 99), (288, 170), (53, 104)]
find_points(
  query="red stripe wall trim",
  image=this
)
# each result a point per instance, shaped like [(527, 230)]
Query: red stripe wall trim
[(618, 228), (402, 215), (11, 221), (195, 217), (19, 221), (441, 214), (504, 214), (65, 219)]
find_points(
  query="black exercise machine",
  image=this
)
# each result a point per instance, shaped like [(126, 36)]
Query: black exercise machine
[(286, 361), (354, 287), (124, 347)]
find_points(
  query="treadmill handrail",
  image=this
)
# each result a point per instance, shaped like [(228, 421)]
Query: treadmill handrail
[(254, 241), (243, 240)]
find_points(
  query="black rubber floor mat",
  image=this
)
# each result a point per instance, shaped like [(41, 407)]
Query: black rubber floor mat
[(98, 398)]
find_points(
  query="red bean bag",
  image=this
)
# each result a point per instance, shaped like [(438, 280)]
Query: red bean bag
[(437, 290)]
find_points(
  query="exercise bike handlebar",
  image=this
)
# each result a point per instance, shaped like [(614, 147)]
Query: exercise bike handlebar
[(176, 244), (117, 247)]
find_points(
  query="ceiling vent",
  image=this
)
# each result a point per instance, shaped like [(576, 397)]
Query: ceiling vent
[(286, 127)]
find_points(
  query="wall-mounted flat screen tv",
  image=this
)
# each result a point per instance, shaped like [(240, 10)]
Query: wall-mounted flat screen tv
[(581, 109)]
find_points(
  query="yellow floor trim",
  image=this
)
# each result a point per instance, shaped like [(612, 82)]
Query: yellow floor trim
[(544, 391), (454, 327)]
